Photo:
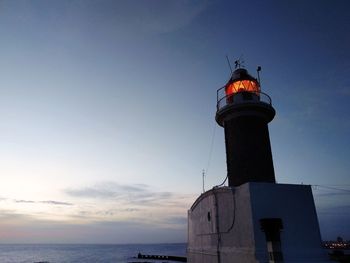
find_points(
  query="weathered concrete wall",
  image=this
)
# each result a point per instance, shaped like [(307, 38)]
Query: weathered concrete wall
[(224, 224), (230, 228)]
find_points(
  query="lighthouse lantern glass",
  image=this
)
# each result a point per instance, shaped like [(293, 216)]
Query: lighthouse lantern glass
[(242, 85)]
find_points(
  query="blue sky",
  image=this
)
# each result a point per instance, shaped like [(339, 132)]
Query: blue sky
[(107, 111)]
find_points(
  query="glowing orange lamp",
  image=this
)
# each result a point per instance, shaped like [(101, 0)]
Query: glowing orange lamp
[(241, 81)]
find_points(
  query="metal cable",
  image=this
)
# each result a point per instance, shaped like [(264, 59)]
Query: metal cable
[(211, 149)]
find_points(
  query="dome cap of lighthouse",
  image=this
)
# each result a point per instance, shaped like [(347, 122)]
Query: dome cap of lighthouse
[(241, 81)]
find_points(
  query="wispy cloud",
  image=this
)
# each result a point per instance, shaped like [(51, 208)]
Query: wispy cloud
[(102, 214), (135, 203), (19, 227), (105, 190), (8, 215), (25, 201), (49, 202), (133, 194), (97, 211)]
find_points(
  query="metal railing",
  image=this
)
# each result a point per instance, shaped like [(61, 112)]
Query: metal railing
[(242, 97)]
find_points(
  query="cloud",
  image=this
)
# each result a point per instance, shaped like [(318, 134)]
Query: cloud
[(102, 212), (50, 202), (12, 216), (135, 203), (24, 201), (104, 190), (21, 228), (133, 194), (105, 213)]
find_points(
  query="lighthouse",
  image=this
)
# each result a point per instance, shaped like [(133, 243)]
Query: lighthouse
[(244, 112), (253, 219)]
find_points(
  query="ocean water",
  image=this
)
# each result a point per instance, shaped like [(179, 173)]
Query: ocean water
[(86, 253)]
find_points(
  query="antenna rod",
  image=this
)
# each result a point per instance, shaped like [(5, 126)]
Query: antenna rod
[(258, 70), (229, 64), (203, 175)]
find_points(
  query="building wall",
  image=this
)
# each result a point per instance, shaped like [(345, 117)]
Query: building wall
[(224, 224), (294, 204), (229, 230)]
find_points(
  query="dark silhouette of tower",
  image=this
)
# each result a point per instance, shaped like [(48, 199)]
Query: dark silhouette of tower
[(244, 112)]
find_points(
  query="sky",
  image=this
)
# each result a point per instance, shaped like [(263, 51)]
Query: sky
[(107, 111)]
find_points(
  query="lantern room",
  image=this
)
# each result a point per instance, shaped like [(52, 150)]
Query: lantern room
[(242, 91), (241, 81)]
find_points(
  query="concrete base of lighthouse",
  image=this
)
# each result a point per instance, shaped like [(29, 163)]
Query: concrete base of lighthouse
[(255, 222)]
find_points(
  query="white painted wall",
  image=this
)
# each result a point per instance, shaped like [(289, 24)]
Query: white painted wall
[(244, 241)]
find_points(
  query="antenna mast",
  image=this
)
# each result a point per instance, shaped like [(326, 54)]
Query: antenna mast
[(229, 64), (258, 71), (203, 175)]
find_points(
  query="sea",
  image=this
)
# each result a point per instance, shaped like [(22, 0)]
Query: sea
[(64, 253)]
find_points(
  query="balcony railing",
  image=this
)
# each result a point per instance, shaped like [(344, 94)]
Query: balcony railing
[(243, 97)]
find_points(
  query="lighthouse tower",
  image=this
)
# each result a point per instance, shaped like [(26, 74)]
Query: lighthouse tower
[(244, 112), (253, 219)]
